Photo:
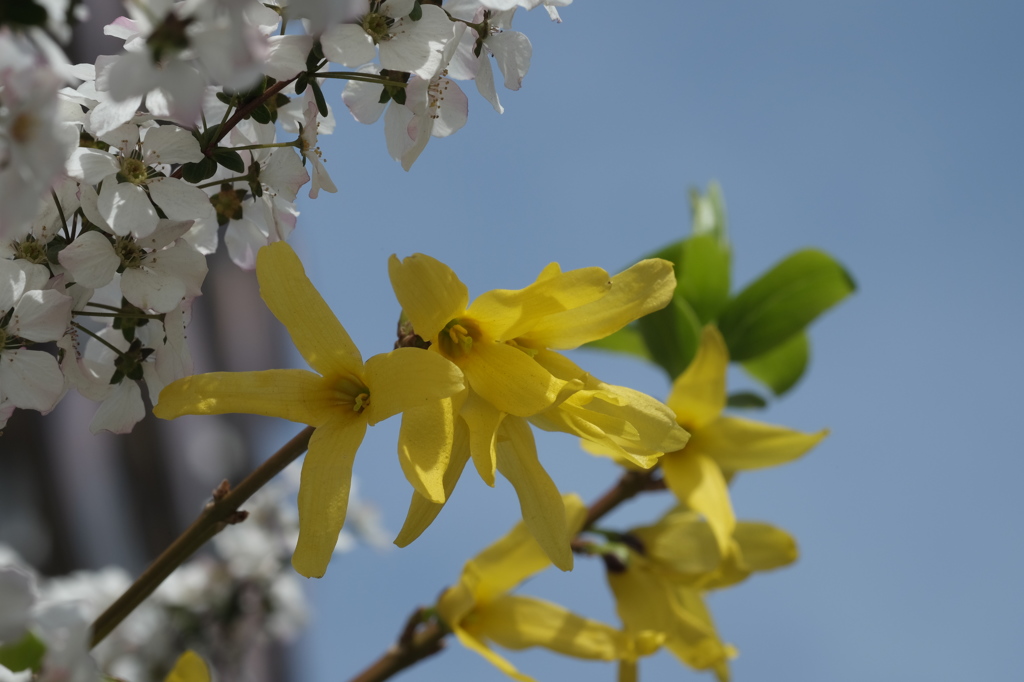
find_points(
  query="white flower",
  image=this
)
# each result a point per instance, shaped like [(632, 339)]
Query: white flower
[(127, 207), (310, 150), (405, 45), (511, 49), (158, 271), (30, 379), (34, 141)]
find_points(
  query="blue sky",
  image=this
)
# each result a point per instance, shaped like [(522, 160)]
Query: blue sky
[(885, 133)]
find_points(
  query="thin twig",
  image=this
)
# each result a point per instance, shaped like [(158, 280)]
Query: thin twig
[(218, 514)]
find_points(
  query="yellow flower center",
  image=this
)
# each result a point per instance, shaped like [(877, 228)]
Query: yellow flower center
[(355, 393), (133, 170), (456, 339)]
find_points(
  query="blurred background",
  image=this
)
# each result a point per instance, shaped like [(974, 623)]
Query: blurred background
[(887, 134)]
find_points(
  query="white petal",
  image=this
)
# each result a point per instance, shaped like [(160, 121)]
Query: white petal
[(31, 379), (164, 279), (396, 130), (90, 259), (284, 174), (166, 232), (121, 410), (126, 208), (41, 315), (348, 45), (452, 108), (363, 101), (512, 50), (171, 144), (287, 55), (397, 8), (417, 46), (91, 165), (485, 85), (109, 114), (243, 239), (179, 200)]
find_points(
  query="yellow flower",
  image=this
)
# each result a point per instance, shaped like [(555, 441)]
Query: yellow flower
[(189, 668), (720, 445), (502, 343), (339, 400), (669, 564), (479, 609), (647, 601), (683, 548)]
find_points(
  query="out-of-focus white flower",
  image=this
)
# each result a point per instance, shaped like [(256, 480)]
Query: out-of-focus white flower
[(34, 140), (30, 379)]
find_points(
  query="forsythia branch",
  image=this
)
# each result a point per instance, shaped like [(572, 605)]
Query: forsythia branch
[(221, 512)]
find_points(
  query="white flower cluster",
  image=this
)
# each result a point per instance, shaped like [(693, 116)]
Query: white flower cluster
[(242, 594), (118, 178)]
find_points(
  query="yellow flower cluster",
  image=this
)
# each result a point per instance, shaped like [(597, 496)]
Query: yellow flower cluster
[(489, 368)]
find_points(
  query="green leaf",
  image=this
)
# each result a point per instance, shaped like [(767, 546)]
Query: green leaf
[(671, 335), (25, 654), (780, 368), (261, 114), (230, 159), (746, 400), (627, 340), (417, 11), (318, 95), (782, 302), (704, 275), (199, 171)]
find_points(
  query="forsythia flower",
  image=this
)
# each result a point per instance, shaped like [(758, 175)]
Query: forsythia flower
[(189, 668), (479, 607), (719, 443), (340, 401), (501, 343), (668, 564)]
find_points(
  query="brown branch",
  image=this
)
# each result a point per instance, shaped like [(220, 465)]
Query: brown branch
[(418, 640), (218, 514)]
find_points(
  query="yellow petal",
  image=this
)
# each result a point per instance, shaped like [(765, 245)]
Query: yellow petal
[(515, 622), (482, 420), (190, 667), (539, 499), (765, 547), (422, 511), (702, 653), (323, 492), (642, 289), (645, 601), (510, 379), (292, 394), (406, 378), (473, 644), (314, 329), (507, 314), (425, 447), (516, 556), (739, 444), (430, 293), (682, 542), (698, 394), (699, 485)]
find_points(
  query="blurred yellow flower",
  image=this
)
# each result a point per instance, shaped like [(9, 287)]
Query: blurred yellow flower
[(339, 400), (479, 609), (189, 668)]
